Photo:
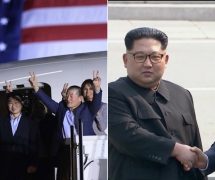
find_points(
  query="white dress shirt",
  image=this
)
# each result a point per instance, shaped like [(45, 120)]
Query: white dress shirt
[(14, 122), (67, 122)]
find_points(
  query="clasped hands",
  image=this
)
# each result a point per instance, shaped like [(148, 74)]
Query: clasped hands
[(189, 157)]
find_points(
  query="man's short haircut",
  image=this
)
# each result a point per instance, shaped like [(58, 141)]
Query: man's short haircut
[(77, 88), (87, 82), (145, 32)]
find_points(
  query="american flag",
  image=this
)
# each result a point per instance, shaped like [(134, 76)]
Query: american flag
[(40, 28)]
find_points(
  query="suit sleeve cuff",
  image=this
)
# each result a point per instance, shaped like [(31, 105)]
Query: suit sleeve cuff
[(207, 163)]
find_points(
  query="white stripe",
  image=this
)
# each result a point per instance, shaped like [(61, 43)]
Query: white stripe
[(211, 175), (202, 89), (55, 48), (27, 77), (65, 16)]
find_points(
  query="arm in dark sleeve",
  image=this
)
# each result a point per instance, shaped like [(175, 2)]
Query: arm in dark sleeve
[(95, 105), (211, 157), (51, 104), (128, 137), (197, 138)]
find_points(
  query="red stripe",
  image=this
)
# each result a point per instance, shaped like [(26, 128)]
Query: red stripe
[(72, 32), (30, 4)]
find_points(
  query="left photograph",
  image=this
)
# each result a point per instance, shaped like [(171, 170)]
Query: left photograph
[(53, 90)]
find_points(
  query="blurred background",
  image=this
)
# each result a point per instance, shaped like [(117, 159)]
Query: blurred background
[(190, 27)]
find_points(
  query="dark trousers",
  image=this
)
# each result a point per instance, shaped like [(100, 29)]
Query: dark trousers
[(45, 169), (63, 172), (13, 166)]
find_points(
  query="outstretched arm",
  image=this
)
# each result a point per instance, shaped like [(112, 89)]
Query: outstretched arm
[(50, 103), (95, 105)]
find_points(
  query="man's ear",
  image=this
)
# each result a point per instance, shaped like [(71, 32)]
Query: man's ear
[(166, 59), (125, 60), (81, 98)]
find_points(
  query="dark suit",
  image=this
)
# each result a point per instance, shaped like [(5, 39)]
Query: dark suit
[(211, 156), (143, 128), (18, 151)]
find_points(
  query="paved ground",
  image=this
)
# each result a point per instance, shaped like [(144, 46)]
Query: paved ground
[(192, 63)]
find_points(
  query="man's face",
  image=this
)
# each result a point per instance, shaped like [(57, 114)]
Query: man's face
[(73, 99), (145, 74), (88, 92), (14, 106)]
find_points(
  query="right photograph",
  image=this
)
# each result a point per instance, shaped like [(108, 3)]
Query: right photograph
[(160, 90)]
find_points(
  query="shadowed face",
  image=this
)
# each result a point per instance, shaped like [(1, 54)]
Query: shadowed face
[(142, 66)]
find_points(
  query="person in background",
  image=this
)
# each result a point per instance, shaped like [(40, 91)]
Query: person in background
[(18, 140), (100, 122)]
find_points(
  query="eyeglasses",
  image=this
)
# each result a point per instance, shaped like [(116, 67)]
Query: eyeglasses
[(141, 57)]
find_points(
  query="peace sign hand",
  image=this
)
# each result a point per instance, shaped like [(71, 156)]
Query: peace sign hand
[(9, 87), (96, 81), (64, 90), (33, 81)]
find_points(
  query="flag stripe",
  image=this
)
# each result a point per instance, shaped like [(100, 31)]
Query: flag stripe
[(29, 4), (64, 16), (50, 33), (54, 48), (59, 27)]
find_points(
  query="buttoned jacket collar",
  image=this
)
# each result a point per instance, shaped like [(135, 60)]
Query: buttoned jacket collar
[(162, 89)]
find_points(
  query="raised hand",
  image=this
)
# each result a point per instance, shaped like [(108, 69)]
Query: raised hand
[(64, 90), (202, 159), (9, 87), (33, 81), (96, 81)]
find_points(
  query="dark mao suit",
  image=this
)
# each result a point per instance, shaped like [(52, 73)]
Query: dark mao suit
[(143, 128)]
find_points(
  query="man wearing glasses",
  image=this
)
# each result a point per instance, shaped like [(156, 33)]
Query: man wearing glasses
[(152, 123)]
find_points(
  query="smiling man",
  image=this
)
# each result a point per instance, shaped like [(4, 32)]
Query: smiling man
[(152, 122)]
